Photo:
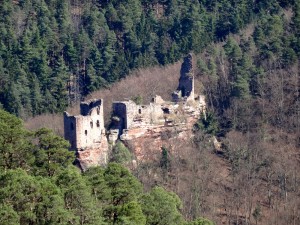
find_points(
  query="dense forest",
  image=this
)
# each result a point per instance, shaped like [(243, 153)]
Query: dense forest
[(39, 185), (53, 53)]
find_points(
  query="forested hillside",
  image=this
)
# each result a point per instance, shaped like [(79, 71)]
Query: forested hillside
[(55, 52), (252, 85), (39, 185)]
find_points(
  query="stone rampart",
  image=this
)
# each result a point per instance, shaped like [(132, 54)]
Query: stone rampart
[(134, 124)]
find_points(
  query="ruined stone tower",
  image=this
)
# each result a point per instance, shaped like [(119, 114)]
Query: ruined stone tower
[(185, 90), (86, 132), (133, 115), (143, 127)]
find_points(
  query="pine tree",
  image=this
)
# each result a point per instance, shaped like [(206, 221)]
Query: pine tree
[(77, 198), (125, 190), (15, 146), (58, 84), (161, 207), (51, 153)]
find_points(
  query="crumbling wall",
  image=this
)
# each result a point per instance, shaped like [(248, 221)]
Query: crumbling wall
[(88, 131), (133, 115), (69, 129), (85, 130), (125, 111), (185, 90), (143, 127), (95, 156)]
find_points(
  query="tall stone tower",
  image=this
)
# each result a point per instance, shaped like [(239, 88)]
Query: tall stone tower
[(86, 132), (185, 90)]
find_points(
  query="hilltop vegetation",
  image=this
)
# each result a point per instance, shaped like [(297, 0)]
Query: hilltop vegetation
[(53, 53), (252, 85), (39, 185)]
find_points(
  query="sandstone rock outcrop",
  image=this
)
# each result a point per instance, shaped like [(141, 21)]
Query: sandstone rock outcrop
[(143, 128)]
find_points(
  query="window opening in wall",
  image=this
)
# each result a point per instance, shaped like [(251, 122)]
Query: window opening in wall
[(85, 132), (91, 123), (166, 110), (140, 111), (98, 111), (72, 126), (98, 123)]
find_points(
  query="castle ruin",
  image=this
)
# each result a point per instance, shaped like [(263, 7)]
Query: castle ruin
[(86, 131), (186, 86), (131, 121)]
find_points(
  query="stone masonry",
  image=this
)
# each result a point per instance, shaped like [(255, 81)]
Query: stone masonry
[(86, 131), (134, 124), (185, 90)]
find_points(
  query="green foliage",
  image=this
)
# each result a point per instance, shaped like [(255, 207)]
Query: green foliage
[(54, 52), (129, 213), (137, 99), (40, 186), (124, 186), (52, 153), (257, 213), (118, 190), (15, 145), (207, 123), (99, 187), (125, 189), (161, 207), (8, 216), (79, 202), (120, 153), (32, 199), (165, 161)]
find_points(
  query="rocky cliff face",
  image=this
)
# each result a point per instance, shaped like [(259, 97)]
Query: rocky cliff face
[(147, 147), (93, 156), (146, 142)]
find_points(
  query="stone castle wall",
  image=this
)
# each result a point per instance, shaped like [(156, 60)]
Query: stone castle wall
[(86, 133), (185, 90), (133, 115), (133, 123), (85, 130), (70, 127)]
